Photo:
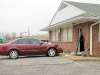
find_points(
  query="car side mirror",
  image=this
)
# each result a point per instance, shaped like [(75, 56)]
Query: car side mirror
[(41, 43)]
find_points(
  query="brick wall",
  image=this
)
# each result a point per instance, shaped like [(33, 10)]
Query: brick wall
[(96, 44), (72, 46)]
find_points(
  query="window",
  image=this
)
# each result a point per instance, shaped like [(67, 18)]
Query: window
[(23, 41), (99, 33), (35, 41), (14, 42), (54, 35), (66, 34), (69, 34)]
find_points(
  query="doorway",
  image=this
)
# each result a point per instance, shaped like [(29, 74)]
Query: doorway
[(81, 41)]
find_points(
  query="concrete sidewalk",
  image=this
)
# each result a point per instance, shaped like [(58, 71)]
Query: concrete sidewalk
[(79, 58)]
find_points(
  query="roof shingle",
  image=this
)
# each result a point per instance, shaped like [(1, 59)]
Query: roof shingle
[(93, 10)]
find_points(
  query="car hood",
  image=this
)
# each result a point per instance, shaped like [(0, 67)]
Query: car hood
[(50, 44)]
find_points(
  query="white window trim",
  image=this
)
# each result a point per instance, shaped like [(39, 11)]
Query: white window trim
[(99, 33)]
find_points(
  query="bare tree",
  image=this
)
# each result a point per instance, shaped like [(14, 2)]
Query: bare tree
[(1, 35), (14, 35), (7, 36)]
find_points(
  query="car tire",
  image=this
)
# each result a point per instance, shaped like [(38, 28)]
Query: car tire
[(13, 54), (51, 52)]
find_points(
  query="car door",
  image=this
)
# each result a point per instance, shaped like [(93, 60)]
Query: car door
[(24, 46), (37, 47)]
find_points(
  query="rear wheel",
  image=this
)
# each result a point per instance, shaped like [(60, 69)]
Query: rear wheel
[(51, 52), (13, 54)]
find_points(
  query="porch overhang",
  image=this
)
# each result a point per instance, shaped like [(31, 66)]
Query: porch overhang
[(70, 22)]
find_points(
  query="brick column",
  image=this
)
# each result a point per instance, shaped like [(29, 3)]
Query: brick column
[(50, 36), (59, 37)]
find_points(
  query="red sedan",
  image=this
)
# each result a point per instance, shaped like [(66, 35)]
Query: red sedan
[(28, 46)]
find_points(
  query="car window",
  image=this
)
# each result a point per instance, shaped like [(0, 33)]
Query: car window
[(14, 42), (35, 41), (24, 41)]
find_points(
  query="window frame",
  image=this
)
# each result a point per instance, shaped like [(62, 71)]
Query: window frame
[(71, 34), (66, 34), (35, 39), (55, 33), (62, 34), (22, 40), (15, 42)]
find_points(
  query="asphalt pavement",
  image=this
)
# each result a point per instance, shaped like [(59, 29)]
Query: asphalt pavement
[(42, 65)]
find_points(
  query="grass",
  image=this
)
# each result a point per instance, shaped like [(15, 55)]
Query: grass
[(66, 52)]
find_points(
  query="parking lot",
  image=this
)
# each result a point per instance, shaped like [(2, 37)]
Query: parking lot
[(41, 65)]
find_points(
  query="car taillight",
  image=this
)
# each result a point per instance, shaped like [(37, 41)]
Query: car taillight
[(0, 48)]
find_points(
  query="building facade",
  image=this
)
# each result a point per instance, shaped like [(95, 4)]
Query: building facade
[(76, 28)]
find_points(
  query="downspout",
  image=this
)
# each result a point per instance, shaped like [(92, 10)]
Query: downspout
[(91, 36)]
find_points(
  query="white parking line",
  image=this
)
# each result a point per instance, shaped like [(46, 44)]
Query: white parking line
[(80, 64)]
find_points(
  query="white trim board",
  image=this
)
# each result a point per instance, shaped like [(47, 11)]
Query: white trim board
[(68, 12)]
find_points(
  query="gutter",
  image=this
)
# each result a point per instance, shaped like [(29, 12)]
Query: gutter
[(69, 21), (60, 23), (91, 36)]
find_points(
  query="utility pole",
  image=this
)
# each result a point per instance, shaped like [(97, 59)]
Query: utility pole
[(28, 32)]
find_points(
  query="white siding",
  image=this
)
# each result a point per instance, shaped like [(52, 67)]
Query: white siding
[(66, 13)]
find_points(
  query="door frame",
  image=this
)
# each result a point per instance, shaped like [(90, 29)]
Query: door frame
[(80, 40)]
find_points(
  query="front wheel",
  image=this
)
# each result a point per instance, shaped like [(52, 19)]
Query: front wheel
[(51, 52), (13, 54)]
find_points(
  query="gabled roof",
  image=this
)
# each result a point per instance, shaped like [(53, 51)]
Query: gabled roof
[(92, 10), (66, 11), (74, 12)]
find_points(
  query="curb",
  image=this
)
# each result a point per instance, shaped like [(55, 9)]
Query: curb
[(80, 58)]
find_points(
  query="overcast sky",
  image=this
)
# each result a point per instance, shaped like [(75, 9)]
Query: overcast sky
[(18, 15)]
